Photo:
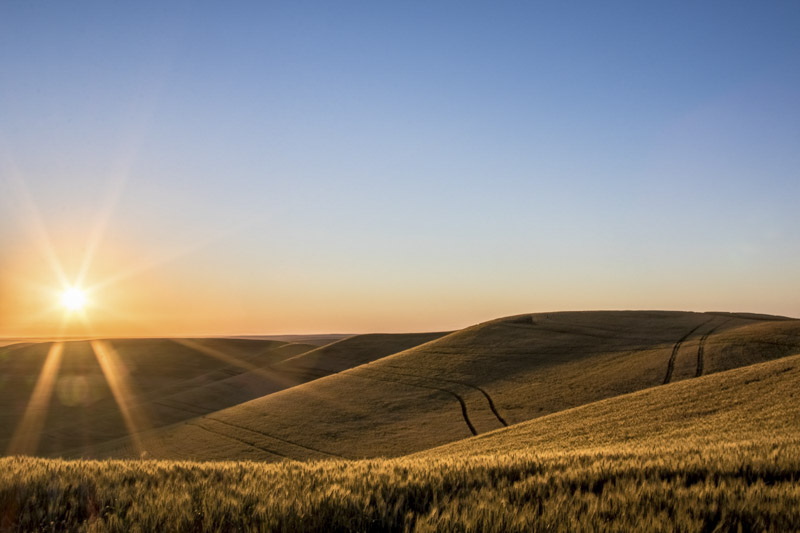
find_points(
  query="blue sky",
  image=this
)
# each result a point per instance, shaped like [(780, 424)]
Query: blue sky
[(308, 167)]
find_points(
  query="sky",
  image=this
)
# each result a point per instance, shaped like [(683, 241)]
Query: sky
[(205, 168)]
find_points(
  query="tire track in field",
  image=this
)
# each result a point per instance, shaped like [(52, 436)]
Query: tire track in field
[(674, 355), (461, 401), (701, 347), (230, 437), (468, 385), (275, 438)]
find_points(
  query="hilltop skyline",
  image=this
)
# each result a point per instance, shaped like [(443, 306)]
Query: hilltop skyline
[(311, 169)]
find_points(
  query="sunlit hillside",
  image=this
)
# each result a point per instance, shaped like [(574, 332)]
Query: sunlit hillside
[(752, 404)]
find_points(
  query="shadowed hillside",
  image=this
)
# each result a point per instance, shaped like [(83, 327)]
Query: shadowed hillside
[(474, 381), (76, 395), (73, 393), (352, 352)]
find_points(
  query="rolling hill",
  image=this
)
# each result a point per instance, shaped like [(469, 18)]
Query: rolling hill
[(471, 382), (760, 402)]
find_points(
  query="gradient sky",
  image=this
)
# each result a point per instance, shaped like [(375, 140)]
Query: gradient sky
[(235, 168)]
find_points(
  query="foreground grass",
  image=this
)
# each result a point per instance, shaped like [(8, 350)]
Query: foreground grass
[(747, 486)]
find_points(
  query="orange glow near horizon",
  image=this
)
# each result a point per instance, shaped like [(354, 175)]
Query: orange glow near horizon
[(59, 284), (314, 190)]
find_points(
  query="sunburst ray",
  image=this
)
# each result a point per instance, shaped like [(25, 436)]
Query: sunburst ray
[(34, 222), (116, 376), (29, 430)]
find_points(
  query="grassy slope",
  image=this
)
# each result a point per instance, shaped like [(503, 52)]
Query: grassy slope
[(718, 453), (748, 404), (528, 366)]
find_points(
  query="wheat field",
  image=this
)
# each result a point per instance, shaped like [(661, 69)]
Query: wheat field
[(750, 487)]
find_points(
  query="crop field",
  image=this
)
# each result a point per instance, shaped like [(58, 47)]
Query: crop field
[(749, 487)]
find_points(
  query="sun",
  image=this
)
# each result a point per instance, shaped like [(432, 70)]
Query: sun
[(74, 299)]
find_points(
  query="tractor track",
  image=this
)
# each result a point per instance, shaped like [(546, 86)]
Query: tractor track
[(461, 401), (447, 380), (230, 437), (676, 347), (702, 345), (275, 438)]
